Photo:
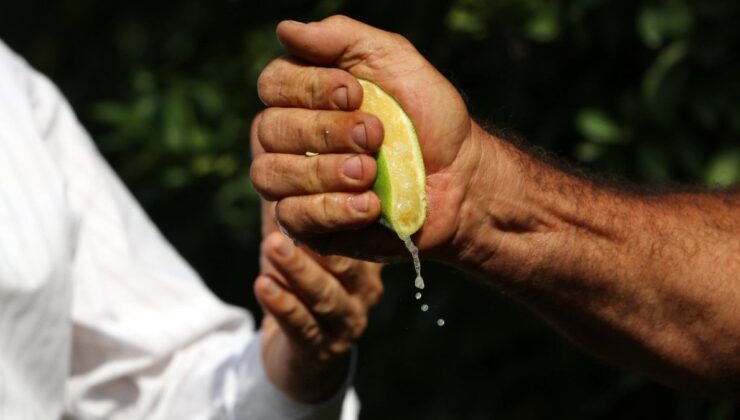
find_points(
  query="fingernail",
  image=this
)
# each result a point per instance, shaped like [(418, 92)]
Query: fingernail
[(269, 287), (340, 98), (359, 135), (294, 22), (360, 202), (285, 248), (352, 167)]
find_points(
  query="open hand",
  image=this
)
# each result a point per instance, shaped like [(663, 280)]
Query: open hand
[(316, 307)]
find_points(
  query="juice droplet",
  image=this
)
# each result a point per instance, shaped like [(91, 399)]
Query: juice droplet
[(440, 322), (418, 282), (424, 307), (417, 295)]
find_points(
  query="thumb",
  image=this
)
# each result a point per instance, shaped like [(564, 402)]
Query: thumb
[(342, 42), (386, 58)]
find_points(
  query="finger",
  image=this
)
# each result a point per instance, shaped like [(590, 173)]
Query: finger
[(386, 58), (319, 291), (337, 40), (359, 278), (267, 209), (297, 131), (255, 147), (288, 83), (276, 175), (294, 318), (305, 216)]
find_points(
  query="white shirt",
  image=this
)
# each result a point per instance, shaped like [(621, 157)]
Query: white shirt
[(99, 317)]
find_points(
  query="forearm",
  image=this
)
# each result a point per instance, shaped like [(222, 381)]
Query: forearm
[(647, 281)]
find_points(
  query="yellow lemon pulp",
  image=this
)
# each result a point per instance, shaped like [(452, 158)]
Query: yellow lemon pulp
[(401, 181)]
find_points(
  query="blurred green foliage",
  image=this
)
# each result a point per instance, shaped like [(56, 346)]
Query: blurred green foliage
[(647, 91)]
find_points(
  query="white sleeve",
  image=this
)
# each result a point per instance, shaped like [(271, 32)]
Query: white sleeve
[(149, 339)]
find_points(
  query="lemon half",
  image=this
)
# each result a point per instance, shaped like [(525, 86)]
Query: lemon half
[(401, 180)]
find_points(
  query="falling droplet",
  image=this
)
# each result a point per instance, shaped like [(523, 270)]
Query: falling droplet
[(417, 295), (424, 307), (440, 322), (418, 282)]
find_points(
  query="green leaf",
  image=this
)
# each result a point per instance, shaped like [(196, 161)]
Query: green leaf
[(175, 116), (669, 21), (597, 126), (724, 169), (544, 25), (654, 93), (589, 152), (466, 21)]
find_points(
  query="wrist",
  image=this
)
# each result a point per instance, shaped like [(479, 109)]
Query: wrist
[(514, 209), (304, 375)]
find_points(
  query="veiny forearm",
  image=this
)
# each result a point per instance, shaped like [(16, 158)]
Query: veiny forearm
[(651, 282)]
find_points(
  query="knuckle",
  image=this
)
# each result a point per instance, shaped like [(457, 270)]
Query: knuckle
[(312, 334), (325, 300), (372, 292), (400, 40), (311, 89), (358, 327), (322, 132), (323, 356), (317, 212), (289, 311), (265, 127), (264, 84), (262, 174), (316, 170), (337, 19), (329, 216), (297, 265), (335, 76), (338, 347), (254, 132), (280, 218), (342, 267), (261, 129), (258, 174), (377, 289)]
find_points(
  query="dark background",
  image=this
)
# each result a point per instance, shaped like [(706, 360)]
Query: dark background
[(645, 91)]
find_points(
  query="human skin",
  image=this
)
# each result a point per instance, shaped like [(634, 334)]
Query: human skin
[(315, 308), (649, 282)]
